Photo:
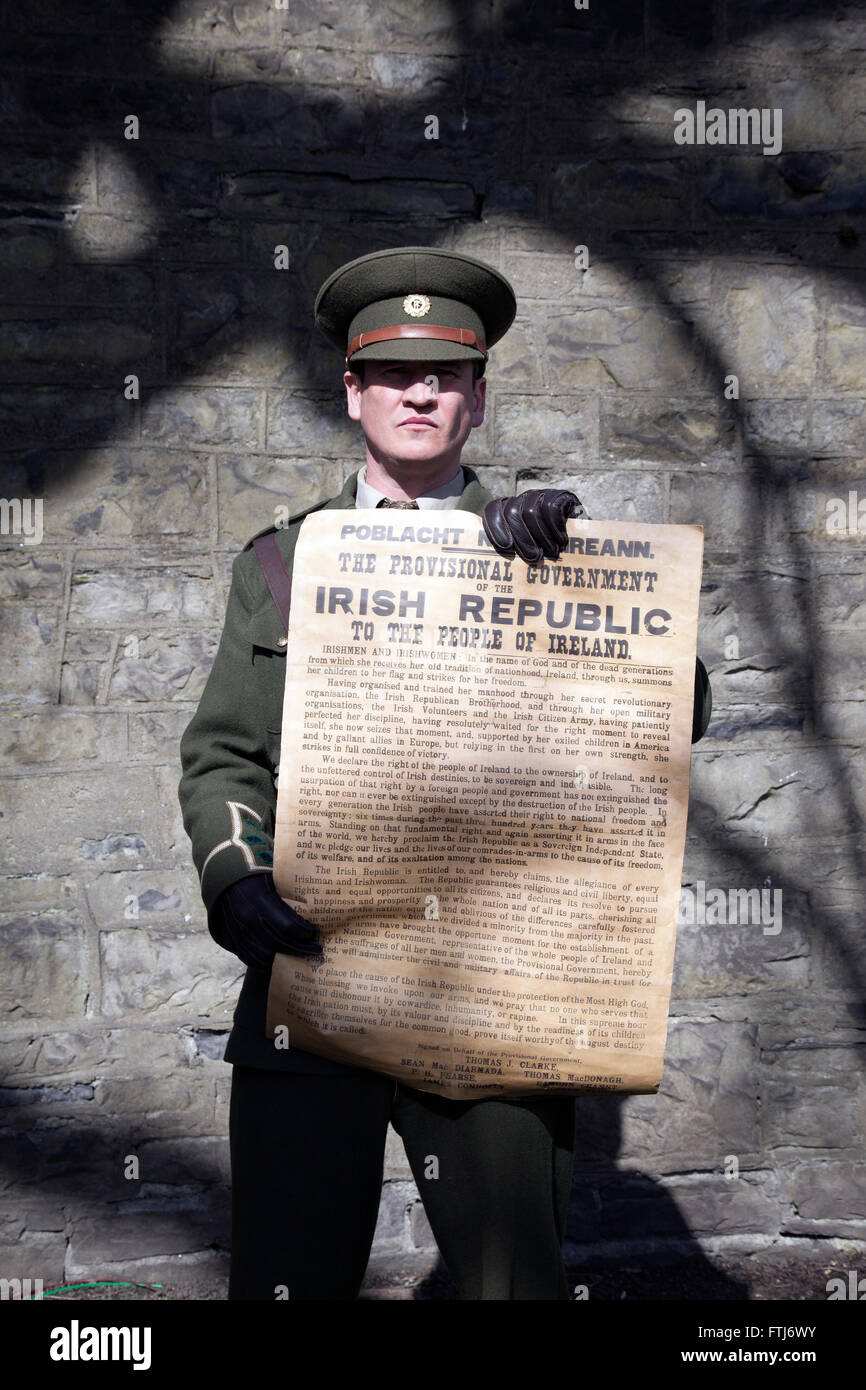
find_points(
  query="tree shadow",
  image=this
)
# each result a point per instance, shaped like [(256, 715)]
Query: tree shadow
[(161, 250)]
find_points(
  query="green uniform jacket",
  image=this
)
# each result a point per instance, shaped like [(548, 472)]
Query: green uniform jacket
[(231, 748)]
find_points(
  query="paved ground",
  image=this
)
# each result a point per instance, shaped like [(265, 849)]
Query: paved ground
[(770, 1275)]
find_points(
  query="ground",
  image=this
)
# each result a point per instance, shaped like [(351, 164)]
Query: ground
[(769, 1275)]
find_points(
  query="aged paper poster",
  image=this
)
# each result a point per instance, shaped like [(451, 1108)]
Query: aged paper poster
[(482, 800)]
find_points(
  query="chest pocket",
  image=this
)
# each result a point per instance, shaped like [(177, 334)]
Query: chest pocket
[(268, 655)]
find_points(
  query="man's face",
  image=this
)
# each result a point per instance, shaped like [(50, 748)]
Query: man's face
[(416, 412)]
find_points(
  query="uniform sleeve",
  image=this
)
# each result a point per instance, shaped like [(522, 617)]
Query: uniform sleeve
[(703, 706), (227, 794)]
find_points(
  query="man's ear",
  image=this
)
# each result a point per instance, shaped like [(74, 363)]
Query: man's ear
[(353, 394), (479, 397)]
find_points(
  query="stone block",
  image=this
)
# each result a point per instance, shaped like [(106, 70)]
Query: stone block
[(95, 818), (252, 490), (294, 421), (396, 1162), (564, 427), (739, 513), (131, 1240), (49, 176), (632, 347), (34, 1255), (40, 890), (154, 735), (34, 415), (390, 1233), (86, 668), (133, 287), (812, 1098), (554, 276), (32, 571), (163, 897), (29, 673), (102, 237), (177, 1160), (208, 1047), (420, 1231), (160, 974), (843, 942), (638, 193), (518, 359), (328, 24), (712, 1205), (163, 668), (629, 496), (203, 417), (845, 720), (838, 427), (616, 32), (845, 344), (110, 590), (78, 345), (757, 25), (80, 1054), (824, 1195), (736, 720), (773, 794), (156, 1106), (644, 432), (128, 492), (755, 632), (45, 970), (270, 115), (748, 938), (767, 330), (707, 1105), (776, 426), (62, 736), (28, 260), (240, 326), (219, 23), (268, 193), (320, 67)]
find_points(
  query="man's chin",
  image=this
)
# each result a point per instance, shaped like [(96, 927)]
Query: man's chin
[(418, 446)]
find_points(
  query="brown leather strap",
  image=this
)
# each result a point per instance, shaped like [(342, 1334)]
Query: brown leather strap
[(417, 330), (277, 577)]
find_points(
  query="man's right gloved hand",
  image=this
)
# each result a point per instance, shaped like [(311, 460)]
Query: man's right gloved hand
[(250, 919)]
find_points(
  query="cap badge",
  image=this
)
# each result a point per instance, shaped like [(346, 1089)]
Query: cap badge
[(416, 305)]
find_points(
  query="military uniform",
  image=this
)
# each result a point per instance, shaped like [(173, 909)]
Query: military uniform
[(230, 752), (307, 1133)]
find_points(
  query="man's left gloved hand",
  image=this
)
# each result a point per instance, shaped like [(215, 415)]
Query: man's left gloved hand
[(531, 525)]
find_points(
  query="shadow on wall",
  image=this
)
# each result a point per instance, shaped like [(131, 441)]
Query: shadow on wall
[(155, 257)]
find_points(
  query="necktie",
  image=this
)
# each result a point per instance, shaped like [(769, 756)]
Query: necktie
[(407, 506)]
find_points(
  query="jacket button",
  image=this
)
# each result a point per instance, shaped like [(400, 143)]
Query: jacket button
[(282, 641)]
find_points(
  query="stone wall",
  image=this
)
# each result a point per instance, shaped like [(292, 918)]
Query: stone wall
[(702, 362)]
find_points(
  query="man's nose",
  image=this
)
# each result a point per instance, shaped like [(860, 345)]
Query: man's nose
[(422, 389)]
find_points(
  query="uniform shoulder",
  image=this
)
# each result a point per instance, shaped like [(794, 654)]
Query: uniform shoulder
[(284, 526)]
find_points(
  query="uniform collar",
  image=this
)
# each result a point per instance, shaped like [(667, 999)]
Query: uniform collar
[(444, 498), (473, 498)]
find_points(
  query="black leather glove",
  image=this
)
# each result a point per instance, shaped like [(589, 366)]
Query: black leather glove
[(532, 524), (250, 919), (703, 705)]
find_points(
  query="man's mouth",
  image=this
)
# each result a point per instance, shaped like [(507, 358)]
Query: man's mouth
[(419, 420)]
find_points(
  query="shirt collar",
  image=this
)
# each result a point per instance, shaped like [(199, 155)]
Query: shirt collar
[(444, 498)]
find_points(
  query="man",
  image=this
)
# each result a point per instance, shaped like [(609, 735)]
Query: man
[(307, 1134)]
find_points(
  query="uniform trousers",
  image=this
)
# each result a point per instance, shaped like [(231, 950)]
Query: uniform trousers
[(307, 1155)]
